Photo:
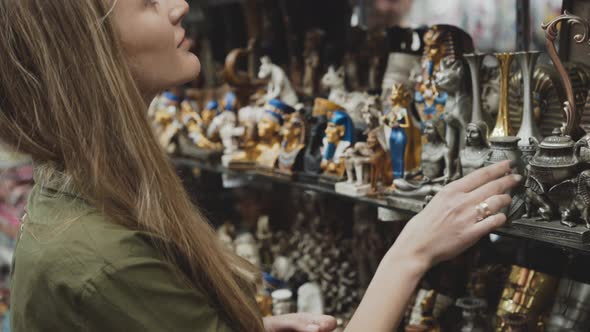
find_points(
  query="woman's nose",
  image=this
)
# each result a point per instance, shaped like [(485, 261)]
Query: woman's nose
[(178, 11)]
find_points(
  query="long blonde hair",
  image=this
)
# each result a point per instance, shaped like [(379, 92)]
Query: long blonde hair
[(67, 97)]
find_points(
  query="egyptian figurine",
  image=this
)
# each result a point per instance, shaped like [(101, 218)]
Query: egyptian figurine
[(167, 122), (476, 150), (404, 138), (435, 165), (339, 137), (322, 110), (361, 159), (269, 127), (441, 93), (279, 86), (237, 151), (197, 125), (293, 143)]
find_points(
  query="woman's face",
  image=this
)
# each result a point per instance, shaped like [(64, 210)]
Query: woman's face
[(155, 44)]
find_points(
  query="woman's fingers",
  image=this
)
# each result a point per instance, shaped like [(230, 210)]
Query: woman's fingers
[(481, 177), (486, 226), (495, 204), (496, 187)]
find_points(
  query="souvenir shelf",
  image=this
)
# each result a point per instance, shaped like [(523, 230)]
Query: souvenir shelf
[(514, 230)]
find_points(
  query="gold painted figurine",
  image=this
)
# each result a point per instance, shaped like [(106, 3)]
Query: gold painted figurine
[(268, 147), (293, 136), (404, 138)]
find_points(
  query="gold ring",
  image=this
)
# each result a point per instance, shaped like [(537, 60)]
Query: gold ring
[(483, 211)]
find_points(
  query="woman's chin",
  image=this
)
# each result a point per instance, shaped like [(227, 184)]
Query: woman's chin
[(191, 68)]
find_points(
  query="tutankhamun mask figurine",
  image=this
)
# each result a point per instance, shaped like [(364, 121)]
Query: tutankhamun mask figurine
[(197, 125), (269, 128), (293, 143), (404, 139), (339, 137)]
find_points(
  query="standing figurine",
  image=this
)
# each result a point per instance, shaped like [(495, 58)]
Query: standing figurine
[(339, 137), (402, 131), (476, 150)]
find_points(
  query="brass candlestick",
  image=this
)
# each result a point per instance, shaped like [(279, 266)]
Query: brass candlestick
[(503, 127)]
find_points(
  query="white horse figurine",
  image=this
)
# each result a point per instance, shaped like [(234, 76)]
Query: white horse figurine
[(353, 102), (279, 86)]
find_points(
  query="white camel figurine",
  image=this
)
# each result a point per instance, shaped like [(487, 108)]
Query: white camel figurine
[(279, 86), (353, 102)]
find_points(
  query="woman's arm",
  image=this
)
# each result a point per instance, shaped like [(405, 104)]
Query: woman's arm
[(445, 228)]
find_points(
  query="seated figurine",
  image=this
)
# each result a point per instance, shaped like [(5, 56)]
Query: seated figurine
[(339, 137), (434, 168), (293, 135)]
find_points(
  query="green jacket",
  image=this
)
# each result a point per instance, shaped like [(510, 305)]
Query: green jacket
[(73, 270)]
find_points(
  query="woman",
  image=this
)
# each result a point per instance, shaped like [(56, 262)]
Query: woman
[(111, 241)]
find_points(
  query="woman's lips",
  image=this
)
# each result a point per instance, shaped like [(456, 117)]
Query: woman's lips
[(186, 44)]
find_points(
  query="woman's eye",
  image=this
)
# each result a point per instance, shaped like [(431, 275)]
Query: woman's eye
[(151, 2)]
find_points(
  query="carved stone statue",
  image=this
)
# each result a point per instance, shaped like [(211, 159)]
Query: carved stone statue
[(476, 150)]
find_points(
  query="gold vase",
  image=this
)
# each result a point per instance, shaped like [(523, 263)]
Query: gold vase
[(503, 127)]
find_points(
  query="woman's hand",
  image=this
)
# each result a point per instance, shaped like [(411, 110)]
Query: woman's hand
[(449, 224), (301, 322)]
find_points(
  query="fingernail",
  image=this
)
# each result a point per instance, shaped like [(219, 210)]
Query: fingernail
[(312, 328), (513, 163), (517, 177)]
